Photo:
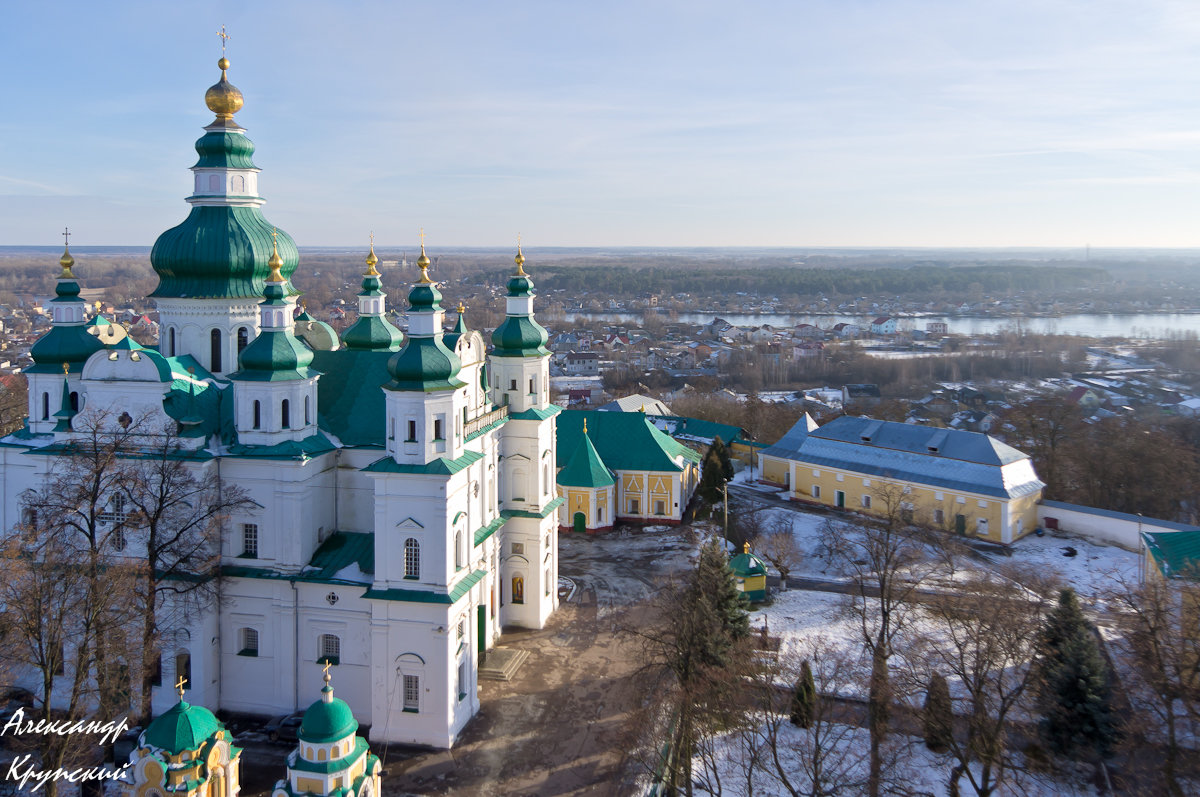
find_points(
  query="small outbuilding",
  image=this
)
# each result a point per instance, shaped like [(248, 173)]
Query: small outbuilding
[(751, 574)]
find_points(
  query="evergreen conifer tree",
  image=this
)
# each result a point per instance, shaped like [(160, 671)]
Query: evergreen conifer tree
[(804, 698), (718, 586), (937, 715), (1074, 693), (712, 476), (719, 446)]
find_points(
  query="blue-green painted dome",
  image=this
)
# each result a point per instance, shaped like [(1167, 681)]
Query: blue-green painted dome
[(520, 336), (274, 356), (71, 345), (326, 722), (424, 364), (424, 296), (520, 285), (373, 333), (184, 727), (224, 149), (219, 252)]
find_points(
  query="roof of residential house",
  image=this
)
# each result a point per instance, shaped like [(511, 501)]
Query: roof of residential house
[(954, 459), (625, 441), (1177, 553), (636, 403)]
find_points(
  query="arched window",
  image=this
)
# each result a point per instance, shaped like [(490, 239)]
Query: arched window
[(214, 355), (257, 414), (329, 649), (74, 402), (546, 479), (285, 413), (243, 338), (171, 342), (45, 406), (307, 415), (458, 550), (412, 558)]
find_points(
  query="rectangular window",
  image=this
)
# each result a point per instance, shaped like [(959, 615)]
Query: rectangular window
[(249, 642), (462, 679), (939, 517), (412, 693), (512, 384), (816, 473), (841, 477), (866, 482), (531, 386), (983, 504), (518, 547), (412, 431), (437, 429), (866, 502), (547, 581), (960, 500), (330, 648), (634, 507), (816, 491), (660, 508), (937, 496), (250, 540)]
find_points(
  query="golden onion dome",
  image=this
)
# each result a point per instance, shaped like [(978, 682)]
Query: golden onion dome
[(276, 262), (66, 261), (223, 98), (423, 264), (372, 261), (520, 261)]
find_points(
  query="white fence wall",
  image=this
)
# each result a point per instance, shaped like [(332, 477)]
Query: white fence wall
[(1114, 528)]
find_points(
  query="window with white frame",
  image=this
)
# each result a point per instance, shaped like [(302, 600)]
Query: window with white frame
[(458, 550), (412, 558), (412, 693), (329, 649), (816, 491), (866, 502), (250, 540)]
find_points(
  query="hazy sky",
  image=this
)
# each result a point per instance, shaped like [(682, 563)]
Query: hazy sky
[(789, 123)]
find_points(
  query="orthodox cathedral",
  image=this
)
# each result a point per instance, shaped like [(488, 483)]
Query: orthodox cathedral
[(404, 503)]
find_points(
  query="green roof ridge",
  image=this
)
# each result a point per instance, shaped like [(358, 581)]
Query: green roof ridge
[(585, 468)]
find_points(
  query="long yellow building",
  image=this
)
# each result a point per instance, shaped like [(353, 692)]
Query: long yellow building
[(960, 481)]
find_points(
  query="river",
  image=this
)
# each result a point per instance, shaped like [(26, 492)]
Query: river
[(1095, 325)]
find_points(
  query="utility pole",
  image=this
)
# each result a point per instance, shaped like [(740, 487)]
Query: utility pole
[(725, 494)]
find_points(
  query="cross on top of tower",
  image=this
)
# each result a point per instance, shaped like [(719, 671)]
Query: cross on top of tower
[(66, 234), (179, 685), (225, 37)]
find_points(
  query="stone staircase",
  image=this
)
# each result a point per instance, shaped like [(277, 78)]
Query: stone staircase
[(501, 664)]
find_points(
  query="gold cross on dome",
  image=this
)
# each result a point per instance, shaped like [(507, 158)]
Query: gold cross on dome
[(224, 38), (325, 670), (66, 234), (274, 234), (179, 685)]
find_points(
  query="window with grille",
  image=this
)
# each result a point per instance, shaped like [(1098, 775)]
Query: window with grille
[(412, 431), (250, 540), (462, 630), (330, 648), (412, 693), (115, 514), (412, 558), (249, 642)]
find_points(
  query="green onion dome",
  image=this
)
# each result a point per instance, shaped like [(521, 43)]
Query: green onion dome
[(224, 149), (520, 285), (219, 252), (183, 728), (424, 364), (69, 345), (520, 336), (373, 333)]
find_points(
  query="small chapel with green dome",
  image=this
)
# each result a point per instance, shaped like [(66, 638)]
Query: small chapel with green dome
[(403, 501)]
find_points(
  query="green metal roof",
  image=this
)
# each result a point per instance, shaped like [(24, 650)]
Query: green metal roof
[(441, 466), (219, 252), (546, 510), (625, 441), (425, 596), (1177, 553), (483, 532), (341, 550), (304, 449), (585, 468), (747, 564), (336, 765), (534, 414), (350, 403), (424, 365), (182, 727)]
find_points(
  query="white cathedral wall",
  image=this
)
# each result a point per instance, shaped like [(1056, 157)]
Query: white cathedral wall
[(295, 500), (193, 321)]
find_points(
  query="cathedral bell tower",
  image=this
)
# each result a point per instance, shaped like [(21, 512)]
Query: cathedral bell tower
[(213, 267)]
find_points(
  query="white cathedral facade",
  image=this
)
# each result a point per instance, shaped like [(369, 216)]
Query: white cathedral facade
[(404, 503)]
